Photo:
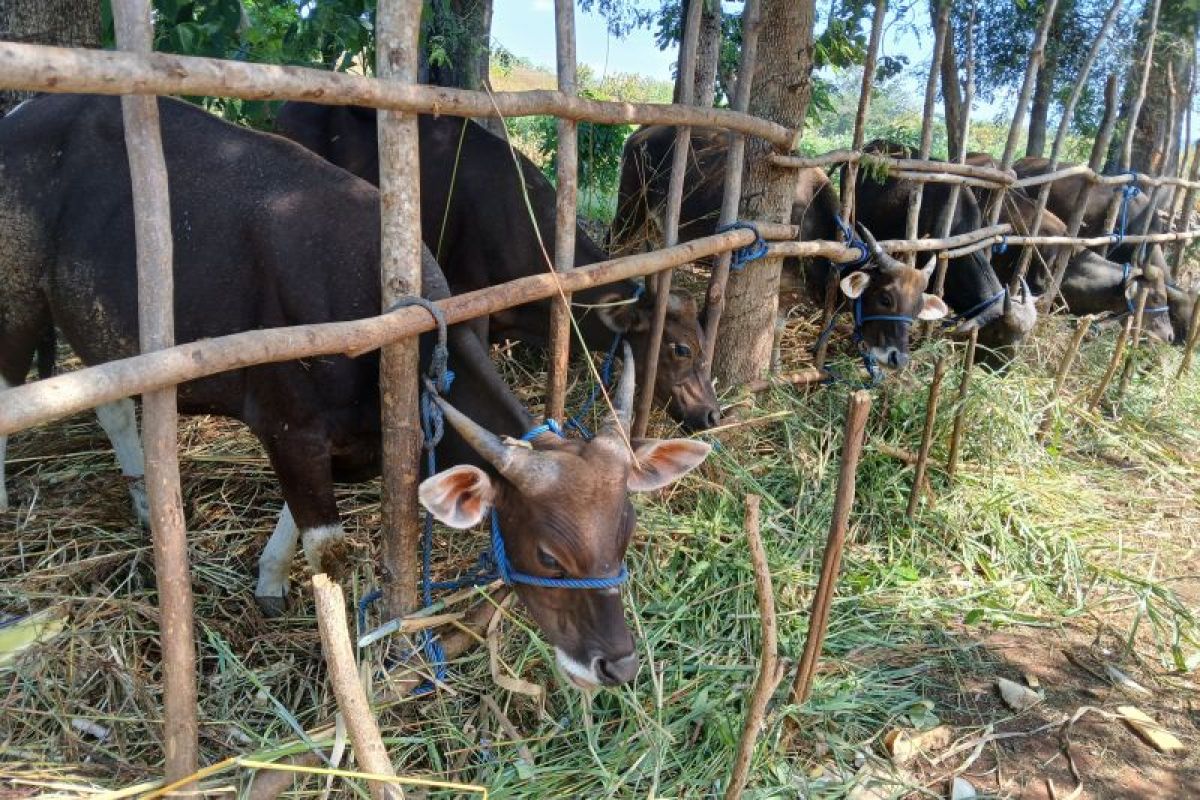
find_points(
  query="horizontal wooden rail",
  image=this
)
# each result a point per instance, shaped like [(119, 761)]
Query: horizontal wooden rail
[(1096, 241), (56, 397), (57, 69), (1104, 180), (938, 171), (836, 251)]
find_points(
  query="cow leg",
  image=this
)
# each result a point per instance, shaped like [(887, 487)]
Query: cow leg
[(3, 456), (119, 421), (16, 354), (275, 564)]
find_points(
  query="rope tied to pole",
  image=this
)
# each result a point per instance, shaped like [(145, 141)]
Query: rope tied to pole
[(742, 256), (1129, 191), (852, 240)]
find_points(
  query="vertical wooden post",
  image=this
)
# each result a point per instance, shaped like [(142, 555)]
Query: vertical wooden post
[(566, 196), (1135, 341), (768, 663), (662, 286), (1060, 377), (818, 621), (931, 407), (1113, 363), (156, 325), (1060, 139), (851, 173), (946, 221), (940, 31), (734, 169), (960, 412), (397, 30)]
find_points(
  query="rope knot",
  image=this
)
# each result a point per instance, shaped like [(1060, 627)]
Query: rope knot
[(751, 252)]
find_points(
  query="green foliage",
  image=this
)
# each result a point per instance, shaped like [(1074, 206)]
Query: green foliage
[(334, 34), (599, 147)]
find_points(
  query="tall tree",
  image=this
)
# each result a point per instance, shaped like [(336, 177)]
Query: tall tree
[(708, 52), (1175, 46), (66, 23), (781, 91), (457, 37)]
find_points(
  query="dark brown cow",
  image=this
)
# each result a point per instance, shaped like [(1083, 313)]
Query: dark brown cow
[(475, 219), (883, 287), (267, 235)]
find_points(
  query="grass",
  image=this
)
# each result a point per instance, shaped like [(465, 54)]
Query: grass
[(1027, 535)]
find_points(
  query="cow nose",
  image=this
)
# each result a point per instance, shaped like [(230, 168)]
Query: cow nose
[(712, 417), (897, 359), (615, 672)]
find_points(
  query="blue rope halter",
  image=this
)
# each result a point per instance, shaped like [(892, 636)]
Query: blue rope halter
[(975, 310), (1130, 306), (1128, 192), (751, 252)]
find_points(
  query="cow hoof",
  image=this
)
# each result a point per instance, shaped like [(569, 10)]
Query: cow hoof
[(139, 499), (271, 607)]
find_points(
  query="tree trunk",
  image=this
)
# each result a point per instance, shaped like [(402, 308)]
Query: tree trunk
[(1043, 94), (952, 99), (781, 89), (66, 23), (708, 53), (1149, 146), (456, 46)]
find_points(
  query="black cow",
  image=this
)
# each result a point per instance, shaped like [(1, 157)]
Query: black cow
[(475, 219), (267, 235)]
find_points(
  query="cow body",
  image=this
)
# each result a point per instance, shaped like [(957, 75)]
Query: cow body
[(266, 235), (475, 219)]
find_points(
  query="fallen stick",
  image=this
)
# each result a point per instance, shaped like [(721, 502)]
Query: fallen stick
[(931, 406), (768, 665), (343, 675), (1113, 363), (1135, 339), (802, 378)]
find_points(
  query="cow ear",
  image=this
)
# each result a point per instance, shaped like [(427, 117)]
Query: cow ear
[(620, 315), (459, 496), (932, 307), (855, 284), (659, 462)]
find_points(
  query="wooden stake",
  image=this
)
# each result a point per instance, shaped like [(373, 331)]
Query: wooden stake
[(156, 323), (1060, 377), (1114, 362), (946, 220), (931, 407), (714, 303), (960, 411), (566, 197), (818, 622), (768, 663), (648, 373), (398, 29), (1135, 341), (916, 193), (343, 677)]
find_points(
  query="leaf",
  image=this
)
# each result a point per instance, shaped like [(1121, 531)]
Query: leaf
[(973, 616), (1017, 697), (21, 634)]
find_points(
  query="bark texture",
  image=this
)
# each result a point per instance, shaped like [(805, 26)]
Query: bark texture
[(66, 23), (708, 53), (952, 96), (456, 43), (782, 87)]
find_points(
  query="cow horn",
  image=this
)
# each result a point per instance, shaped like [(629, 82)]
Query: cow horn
[(884, 260), (509, 460), (929, 267), (622, 399)]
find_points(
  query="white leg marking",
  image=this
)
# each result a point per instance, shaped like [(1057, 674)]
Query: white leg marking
[(318, 540), (276, 560), (3, 453), (119, 421), (584, 677)]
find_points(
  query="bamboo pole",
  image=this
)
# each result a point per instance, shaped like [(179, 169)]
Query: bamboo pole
[(857, 410), (1060, 138), (58, 69), (836, 250), (734, 172), (768, 660), (1135, 341), (938, 171), (931, 407), (397, 33), (946, 221), (1189, 347), (850, 175), (679, 163), (46, 400), (369, 749), (566, 197), (960, 411), (156, 325), (1113, 363), (917, 191), (1060, 377), (1135, 112)]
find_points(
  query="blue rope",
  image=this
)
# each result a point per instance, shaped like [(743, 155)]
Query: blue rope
[(1128, 192), (1130, 307), (751, 252), (869, 361), (864, 252), (1001, 246), (606, 369), (975, 310)]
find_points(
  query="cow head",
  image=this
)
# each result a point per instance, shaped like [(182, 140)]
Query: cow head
[(1156, 321), (681, 383), (887, 287), (1183, 304), (564, 512)]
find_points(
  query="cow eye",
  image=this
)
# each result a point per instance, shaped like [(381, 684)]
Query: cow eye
[(548, 561), (885, 300), (681, 350)]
